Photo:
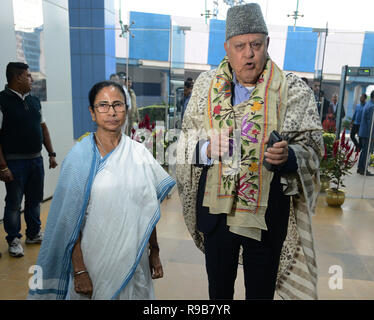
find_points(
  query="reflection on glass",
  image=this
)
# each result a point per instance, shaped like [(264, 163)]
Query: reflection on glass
[(28, 25)]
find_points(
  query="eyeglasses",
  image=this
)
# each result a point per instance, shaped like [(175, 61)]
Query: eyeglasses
[(103, 107)]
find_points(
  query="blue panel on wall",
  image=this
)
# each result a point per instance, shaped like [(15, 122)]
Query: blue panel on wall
[(97, 18), (301, 47), (216, 50), (150, 44), (92, 54), (97, 4), (367, 56), (178, 40)]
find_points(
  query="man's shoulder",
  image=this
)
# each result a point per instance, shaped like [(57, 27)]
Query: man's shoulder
[(295, 82), (205, 77)]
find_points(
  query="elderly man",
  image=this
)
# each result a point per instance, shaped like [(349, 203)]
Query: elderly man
[(238, 209)]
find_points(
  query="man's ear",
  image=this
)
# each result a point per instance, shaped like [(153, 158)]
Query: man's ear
[(226, 46)]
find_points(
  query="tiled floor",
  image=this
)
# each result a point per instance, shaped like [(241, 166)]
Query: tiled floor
[(343, 237)]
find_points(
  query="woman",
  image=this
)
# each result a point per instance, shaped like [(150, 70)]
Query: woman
[(329, 124), (104, 212)]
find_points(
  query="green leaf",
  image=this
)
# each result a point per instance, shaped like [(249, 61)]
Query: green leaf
[(252, 152), (229, 122), (221, 124), (245, 142), (215, 90), (253, 178), (217, 99), (218, 117), (257, 98), (257, 117), (257, 126), (255, 186)]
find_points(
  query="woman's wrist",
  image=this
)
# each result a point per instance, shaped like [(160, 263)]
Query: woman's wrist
[(79, 272), (154, 247)]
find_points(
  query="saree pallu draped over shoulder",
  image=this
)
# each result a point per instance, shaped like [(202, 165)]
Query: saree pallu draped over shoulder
[(117, 200)]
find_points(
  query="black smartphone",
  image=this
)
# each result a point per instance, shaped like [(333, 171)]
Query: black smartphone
[(274, 138)]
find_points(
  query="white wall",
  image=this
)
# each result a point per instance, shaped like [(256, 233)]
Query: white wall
[(342, 48), (58, 109), (277, 45), (7, 54)]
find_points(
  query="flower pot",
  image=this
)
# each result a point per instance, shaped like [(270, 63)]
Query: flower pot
[(325, 183), (334, 197)]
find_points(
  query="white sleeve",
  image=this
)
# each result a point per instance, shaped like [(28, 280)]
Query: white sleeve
[(203, 155), (42, 119)]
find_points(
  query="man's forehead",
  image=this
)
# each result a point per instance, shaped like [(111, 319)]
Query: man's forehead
[(248, 37)]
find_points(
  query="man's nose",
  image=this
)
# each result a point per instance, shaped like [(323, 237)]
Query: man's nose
[(249, 53)]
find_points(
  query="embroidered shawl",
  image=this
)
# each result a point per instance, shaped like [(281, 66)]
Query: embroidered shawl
[(240, 187), (297, 274)]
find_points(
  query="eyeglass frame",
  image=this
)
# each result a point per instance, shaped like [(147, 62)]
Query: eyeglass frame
[(97, 105)]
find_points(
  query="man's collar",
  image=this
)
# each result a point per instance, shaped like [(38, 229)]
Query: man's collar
[(17, 93), (234, 80)]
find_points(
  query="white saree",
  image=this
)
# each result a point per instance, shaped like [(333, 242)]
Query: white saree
[(123, 210)]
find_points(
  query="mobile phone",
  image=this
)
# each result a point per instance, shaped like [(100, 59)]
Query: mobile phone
[(274, 138)]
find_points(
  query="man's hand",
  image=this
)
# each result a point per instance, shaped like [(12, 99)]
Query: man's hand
[(6, 175), (52, 163), (218, 144), (278, 153)]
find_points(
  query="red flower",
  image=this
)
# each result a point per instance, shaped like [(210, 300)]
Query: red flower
[(342, 142), (255, 132), (325, 156), (217, 109)]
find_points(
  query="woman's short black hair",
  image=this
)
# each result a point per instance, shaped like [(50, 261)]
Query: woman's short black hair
[(103, 84)]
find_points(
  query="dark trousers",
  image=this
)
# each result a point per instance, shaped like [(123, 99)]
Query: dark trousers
[(363, 161), (260, 258), (354, 132), (29, 181)]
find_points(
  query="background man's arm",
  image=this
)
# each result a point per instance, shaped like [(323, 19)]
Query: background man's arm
[(48, 145), (5, 173)]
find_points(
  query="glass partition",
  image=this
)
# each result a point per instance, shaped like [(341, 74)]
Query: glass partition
[(29, 32)]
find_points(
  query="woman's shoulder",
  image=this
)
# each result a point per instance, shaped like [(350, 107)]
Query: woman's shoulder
[(80, 150)]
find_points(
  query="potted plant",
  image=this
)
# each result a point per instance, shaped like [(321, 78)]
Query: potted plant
[(328, 139), (339, 164)]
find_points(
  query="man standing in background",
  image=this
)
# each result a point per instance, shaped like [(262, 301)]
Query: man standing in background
[(356, 120), (365, 132), (130, 100), (188, 86), (23, 131), (133, 114)]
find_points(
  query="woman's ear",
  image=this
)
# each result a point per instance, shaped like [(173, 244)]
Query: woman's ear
[(93, 116)]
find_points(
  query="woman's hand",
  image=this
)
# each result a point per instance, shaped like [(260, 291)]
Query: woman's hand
[(155, 264), (83, 284)]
